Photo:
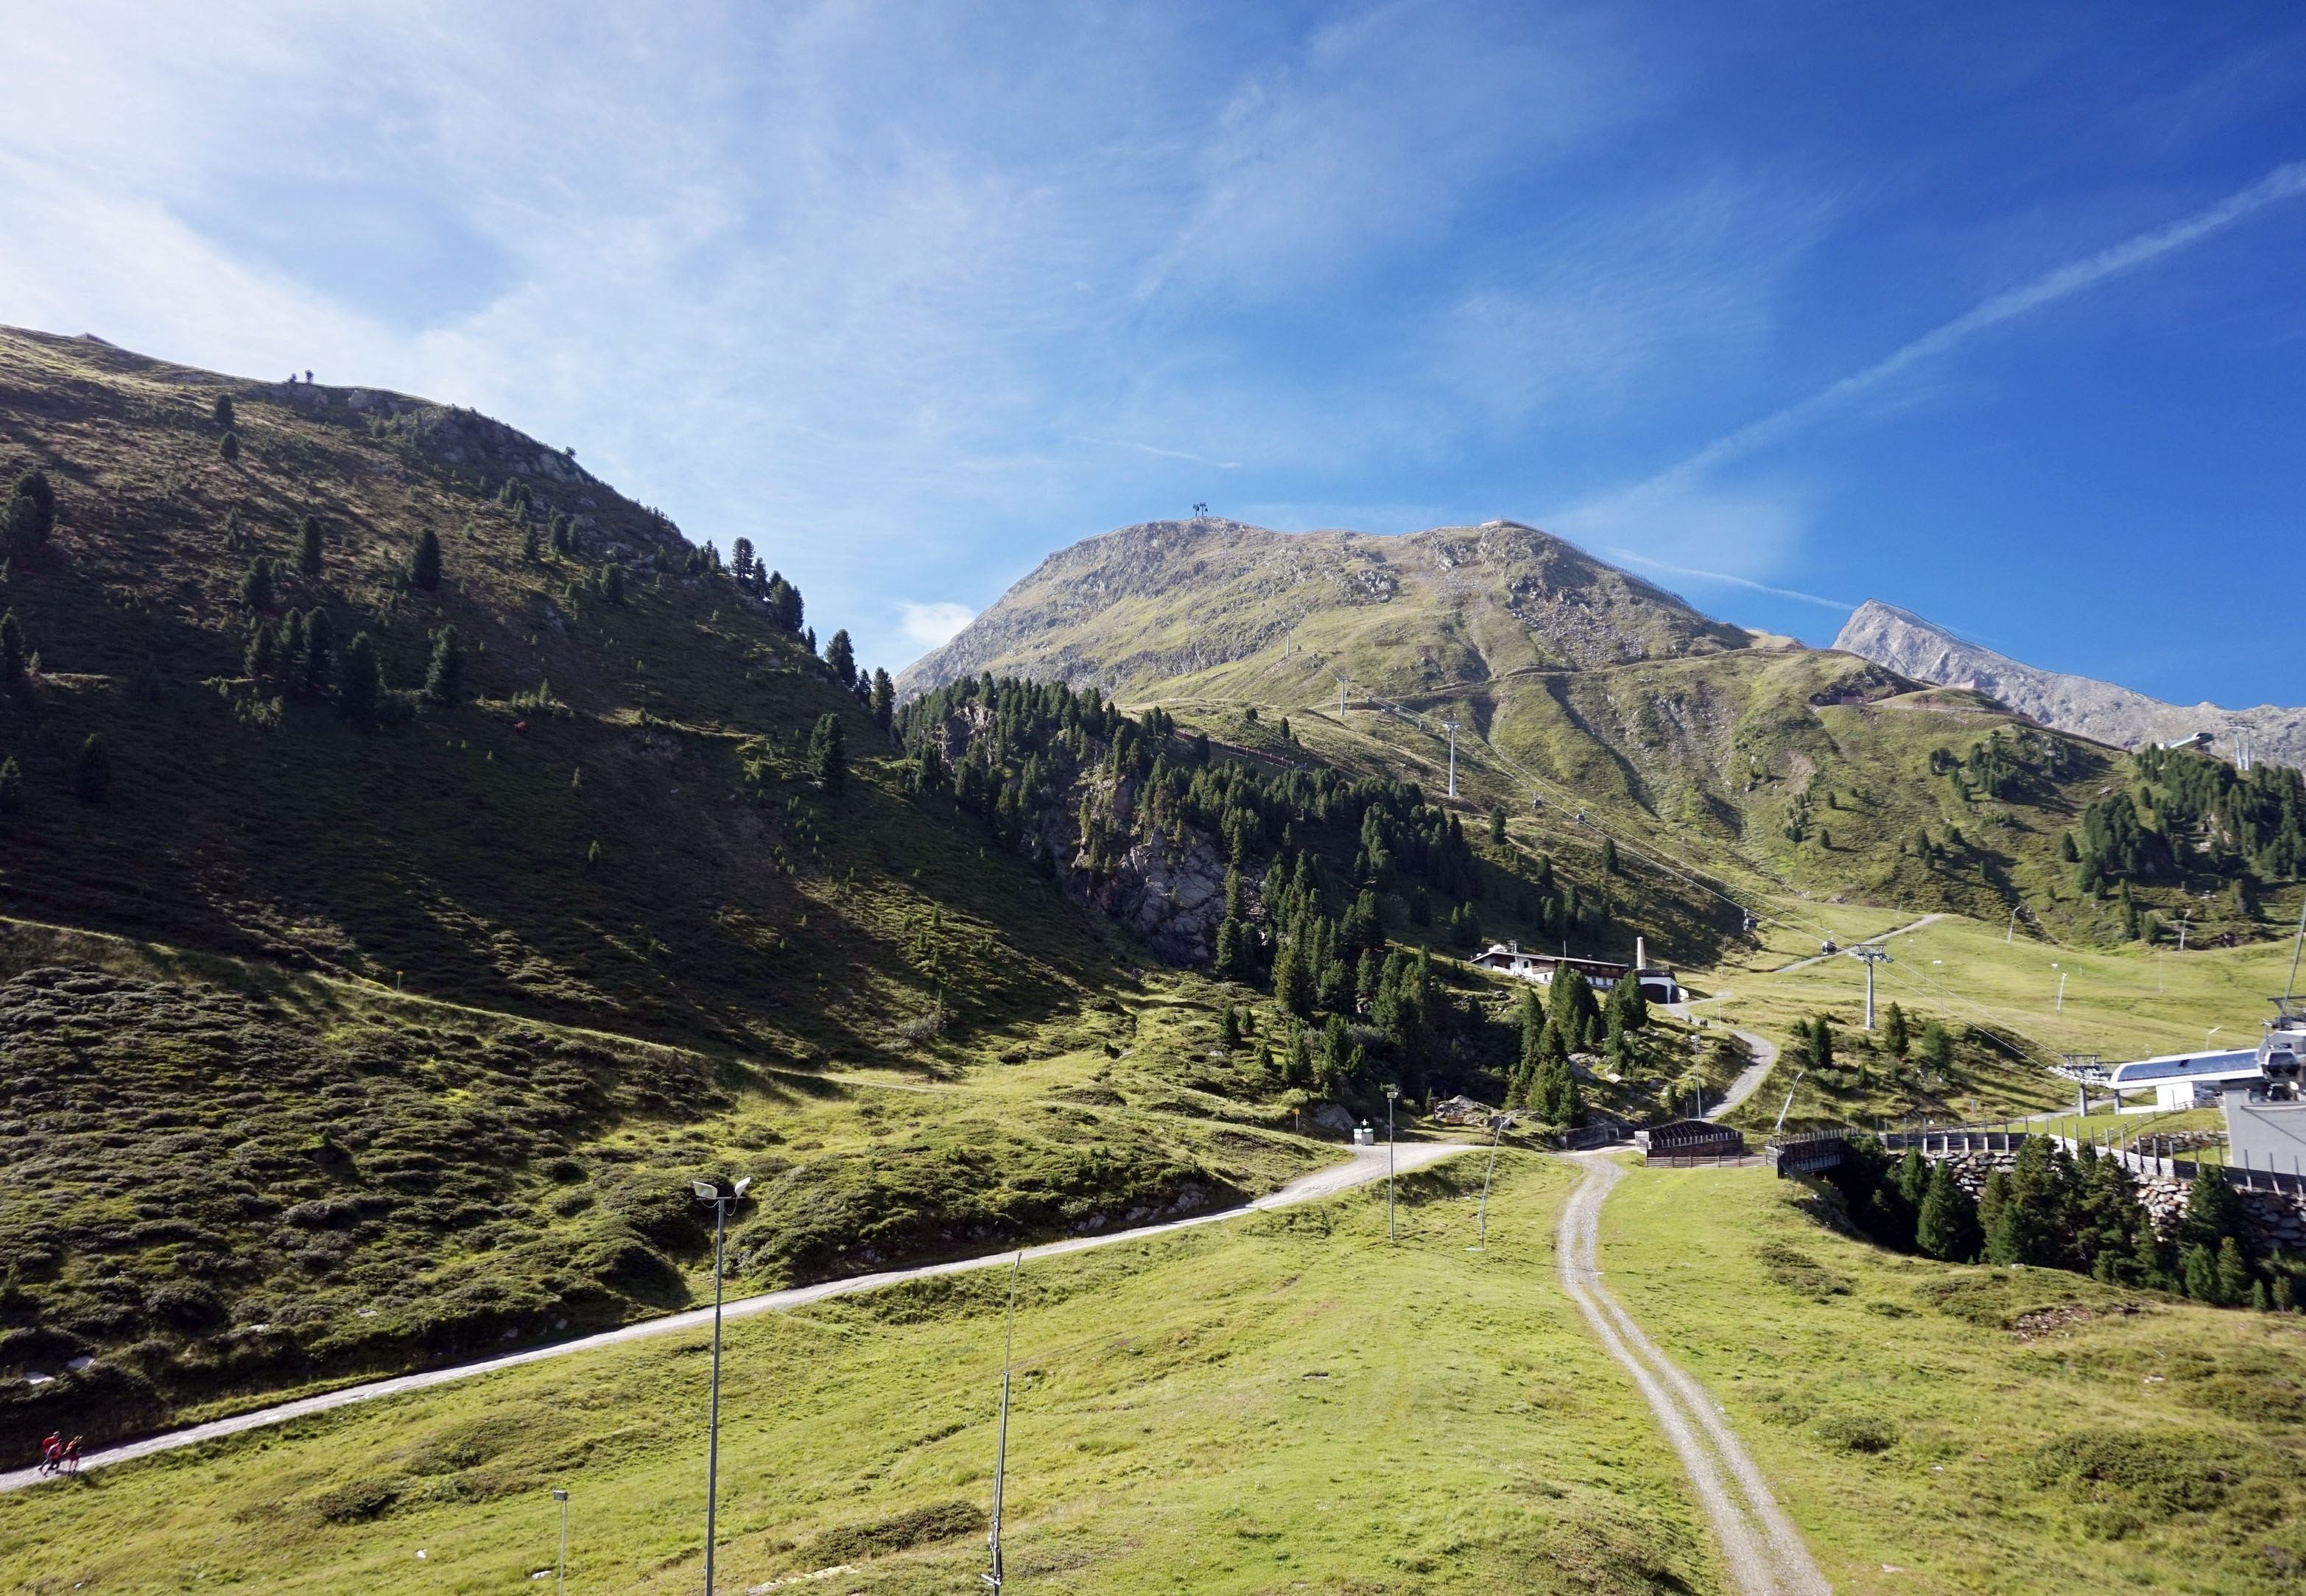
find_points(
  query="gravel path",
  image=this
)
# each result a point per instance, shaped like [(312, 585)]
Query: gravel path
[(1763, 1552), (1862, 941), (1765, 1054), (1364, 1165)]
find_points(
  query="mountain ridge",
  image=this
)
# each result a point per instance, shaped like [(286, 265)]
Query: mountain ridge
[(2108, 712), (1520, 597)]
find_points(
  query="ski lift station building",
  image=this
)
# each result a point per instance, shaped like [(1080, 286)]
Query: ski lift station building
[(1510, 959), (2190, 1080)]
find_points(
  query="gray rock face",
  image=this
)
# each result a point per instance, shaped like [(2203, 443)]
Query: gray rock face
[(1172, 896), (1911, 646)]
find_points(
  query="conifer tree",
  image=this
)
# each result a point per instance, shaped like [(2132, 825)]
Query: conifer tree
[(1299, 1068), (11, 787), (1609, 855), (11, 649), (841, 658), (883, 701), (1293, 983), (31, 515), (424, 562), (828, 754), (308, 540), (1895, 1039), (257, 589), (228, 448), (1948, 1229), (363, 681), (1993, 1201), (316, 661), (262, 659), (221, 411), (92, 771), (612, 584), (530, 549), (444, 678), (1229, 1029), (928, 771)]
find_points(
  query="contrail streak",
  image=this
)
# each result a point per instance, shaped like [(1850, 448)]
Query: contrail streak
[(2284, 181), (1682, 570)]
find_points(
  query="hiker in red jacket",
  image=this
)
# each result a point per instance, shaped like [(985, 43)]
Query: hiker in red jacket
[(72, 1456), (52, 1450)]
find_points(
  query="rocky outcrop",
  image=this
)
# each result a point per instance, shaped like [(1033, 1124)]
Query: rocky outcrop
[(1912, 647), (1170, 894)]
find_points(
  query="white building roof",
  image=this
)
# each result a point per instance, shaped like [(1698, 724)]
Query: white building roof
[(2177, 1066)]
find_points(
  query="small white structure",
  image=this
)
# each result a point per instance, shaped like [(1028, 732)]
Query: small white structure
[(2190, 1080)]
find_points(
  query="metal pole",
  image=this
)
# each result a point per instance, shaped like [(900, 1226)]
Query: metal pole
[(2291, 984), (2062, 992), (1001, 1447), (712, 1445), (1451, 728), (710, 1191), (1497, 1129), (561, 1496), (1391, 1092)]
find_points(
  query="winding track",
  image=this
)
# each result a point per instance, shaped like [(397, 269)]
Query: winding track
[(1365, 1165), (1861, 943), (1763, 1552)]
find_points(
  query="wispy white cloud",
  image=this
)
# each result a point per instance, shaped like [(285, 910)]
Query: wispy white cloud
[(1167, 453), (935, 624), (1647, 563), (2284, 182)]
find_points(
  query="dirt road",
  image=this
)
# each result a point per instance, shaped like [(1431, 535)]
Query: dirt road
[(1364, 1165), (1761, 1548)]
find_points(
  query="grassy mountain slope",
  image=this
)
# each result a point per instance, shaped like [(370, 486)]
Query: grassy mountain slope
[(1782, 771), (422, 1024), (1164, 599), (455, 852)]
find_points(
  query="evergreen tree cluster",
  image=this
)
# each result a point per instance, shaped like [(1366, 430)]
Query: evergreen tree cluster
[(2255, 822), (1053, 770), (2055, 1210)]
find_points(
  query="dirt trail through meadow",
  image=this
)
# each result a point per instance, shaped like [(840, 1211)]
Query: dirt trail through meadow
[(1762, 1551)]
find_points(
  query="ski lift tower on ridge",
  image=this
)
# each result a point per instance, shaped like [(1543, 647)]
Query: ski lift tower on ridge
[(1451, 728)]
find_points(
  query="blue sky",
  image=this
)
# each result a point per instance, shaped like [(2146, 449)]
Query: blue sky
[(1994, 312)]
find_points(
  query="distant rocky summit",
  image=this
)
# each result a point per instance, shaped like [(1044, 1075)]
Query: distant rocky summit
[(1907, 644), (1166, 599)]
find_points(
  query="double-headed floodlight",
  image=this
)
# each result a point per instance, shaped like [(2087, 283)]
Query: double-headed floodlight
[(709, 1191)]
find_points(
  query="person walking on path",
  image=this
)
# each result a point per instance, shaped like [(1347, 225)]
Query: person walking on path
[(72, 1456), (52, 1450)]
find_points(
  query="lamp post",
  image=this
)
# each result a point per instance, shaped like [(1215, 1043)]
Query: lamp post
[(709, 1191), (560, 1567), (1497, 1129), (1391, 1092)]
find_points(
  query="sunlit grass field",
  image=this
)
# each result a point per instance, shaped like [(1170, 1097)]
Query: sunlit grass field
[(1270, 1403), (2140, 1444)]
